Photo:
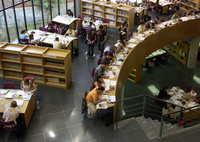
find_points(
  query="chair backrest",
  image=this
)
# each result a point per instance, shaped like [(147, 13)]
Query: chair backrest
[(8, 85), (105, 53), (179, 14), (84, 103), (169, 17), (33, 32), (99, 61), (162, 20), (93, 70), (31, 79), (8, 124), (23, 40), (76, 33), (81, 16), (105, 21)]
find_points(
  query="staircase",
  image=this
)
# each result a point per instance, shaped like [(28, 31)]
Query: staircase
[(152, 127)]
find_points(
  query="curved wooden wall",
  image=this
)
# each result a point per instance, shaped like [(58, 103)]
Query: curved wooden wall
[(153, 42)]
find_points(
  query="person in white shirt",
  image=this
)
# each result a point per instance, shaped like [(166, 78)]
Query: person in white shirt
[(192, 93), (11, 113)]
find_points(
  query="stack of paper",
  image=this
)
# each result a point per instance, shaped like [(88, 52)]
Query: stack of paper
[(140, 38), (119, 56), (113, 99), (102, 105), (19, 102), (133, 40), (4, 91), (22, 93), (118, 63), (103, 97), (131, 45), (107, 84), (113, 83), (110, 74), (9, 95), (113, 67)]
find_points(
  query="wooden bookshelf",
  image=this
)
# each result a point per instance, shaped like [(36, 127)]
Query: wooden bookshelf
[(48, 66), (187, 5), (180, 50), (115, 13)]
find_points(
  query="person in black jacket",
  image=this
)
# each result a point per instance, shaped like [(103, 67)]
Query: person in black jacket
[(163, 93)]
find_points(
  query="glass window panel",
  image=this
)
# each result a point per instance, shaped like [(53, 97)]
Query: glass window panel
[(1, 7), (3, 33), (54, 5), (11, 24), (15, 1), (20, 17), (62, 7), (70, 5), (29, 16)]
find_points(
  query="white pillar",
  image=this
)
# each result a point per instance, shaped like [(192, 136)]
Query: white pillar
[(193, 52)]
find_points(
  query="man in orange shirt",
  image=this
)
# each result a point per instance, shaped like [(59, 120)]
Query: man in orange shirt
[(92, 99)]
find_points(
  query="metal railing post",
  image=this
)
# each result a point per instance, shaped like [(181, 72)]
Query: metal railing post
[(161, 126), (144, 105), (179, 119)]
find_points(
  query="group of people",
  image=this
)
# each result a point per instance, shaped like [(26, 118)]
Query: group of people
[(169, 108), (12, 113)]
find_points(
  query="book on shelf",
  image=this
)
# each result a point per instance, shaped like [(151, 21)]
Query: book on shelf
[(122, 13)]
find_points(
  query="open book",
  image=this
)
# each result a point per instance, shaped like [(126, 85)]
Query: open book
[(102, 105)]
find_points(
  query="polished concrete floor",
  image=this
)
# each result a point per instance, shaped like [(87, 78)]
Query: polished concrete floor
[(59, 118)]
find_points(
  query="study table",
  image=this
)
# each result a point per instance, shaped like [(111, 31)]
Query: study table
[(66, 20), (177, 96), (49, 38), (141, 12), (166, 5), (26, 109), (141, 47)]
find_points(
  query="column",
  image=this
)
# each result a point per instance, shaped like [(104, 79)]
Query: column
[(78, 7), (193, 52)]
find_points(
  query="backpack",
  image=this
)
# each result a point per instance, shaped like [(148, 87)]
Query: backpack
[(107, 119)]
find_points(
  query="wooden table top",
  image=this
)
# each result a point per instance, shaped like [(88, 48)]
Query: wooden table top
[(67, 20), (4, 101)]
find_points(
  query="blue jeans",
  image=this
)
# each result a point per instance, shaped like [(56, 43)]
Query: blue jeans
[(100, 47)]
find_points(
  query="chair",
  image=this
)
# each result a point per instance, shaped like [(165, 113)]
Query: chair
[(169, 17), (151, 5), (165, 57), (99, 61), (8, 85), (84, 105), (12, 126), (179, 14), (105, 53), (152, 63), (42, 28), (33, 32), (93, 70), (81, 16), (162, 20), (22, 41), (30, 43), (106, 21)]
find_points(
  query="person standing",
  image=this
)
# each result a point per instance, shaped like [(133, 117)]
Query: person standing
[(91, 38), (101, 39)]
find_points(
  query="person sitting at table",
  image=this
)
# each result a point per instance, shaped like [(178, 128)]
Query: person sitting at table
[(157, 21), (12, 113), (192, 93), (92, 99), (89, 27), (175, 16), (50, 28), (113, 50), (57, 44), (61, 30), (124, 27), (92, 18), (119, 45), (106, 59), (168, 109), (144, 4), (36, 42), (100, 70), (80, 27), (70, 32), (197, 99), (150, 25), (197, 11), (98, 81), (69, 13), (190, 12), (163, 93), (26, 84), (23, 35), (141, 27)]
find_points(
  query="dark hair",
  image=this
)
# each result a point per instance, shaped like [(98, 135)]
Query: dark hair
[(70, 27), (56, 39), (30, 37), (90, 33), (91, 23), (97, 78), (69, 10), (157, 17), (61, 26), (165, 87), (23, 31), (100, 27), (113, 47), (92, 16), (141, 23), (26, 80), (110, 54), (183, 102), (13, 104), (101, 88), (124, 23)]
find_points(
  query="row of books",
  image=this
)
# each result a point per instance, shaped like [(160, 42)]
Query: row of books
[(121, 19), (110, 10), (55, 80), (87, 11), (33, 68), (11, 56), (97, 13), (112, 23), (12, 73), (12, 65), (87, 5), (110, 16), (122, 12), (97, 8), (55, 71), (32, 59), (38, 77), (87, 16), (53, 62), (182, 53)]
